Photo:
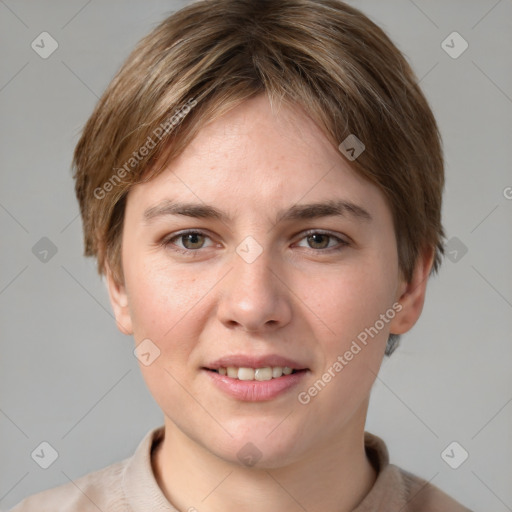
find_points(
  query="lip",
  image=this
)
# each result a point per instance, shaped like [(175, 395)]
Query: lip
[(246, 361), (253, 390)]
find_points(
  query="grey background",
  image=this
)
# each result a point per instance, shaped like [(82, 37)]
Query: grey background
[(69, 377)]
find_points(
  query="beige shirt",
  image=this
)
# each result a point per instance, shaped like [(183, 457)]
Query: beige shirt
[(130, 486)]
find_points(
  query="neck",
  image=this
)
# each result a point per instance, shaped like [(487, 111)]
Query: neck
[(334, 477)]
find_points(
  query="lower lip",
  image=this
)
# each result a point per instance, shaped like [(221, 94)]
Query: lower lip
[(254, 390)]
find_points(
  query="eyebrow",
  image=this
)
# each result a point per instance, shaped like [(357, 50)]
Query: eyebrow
[(329, 208)]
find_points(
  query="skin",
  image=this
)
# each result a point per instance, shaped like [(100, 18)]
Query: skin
[(300, 298)]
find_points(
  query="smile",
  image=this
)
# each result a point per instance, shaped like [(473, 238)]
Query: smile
[(259, 374), (245, 385)]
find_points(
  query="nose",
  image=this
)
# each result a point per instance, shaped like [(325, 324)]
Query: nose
[(254, 295)]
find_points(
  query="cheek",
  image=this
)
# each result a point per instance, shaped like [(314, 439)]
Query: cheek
[(155, 296), (350, 301), (164, 308), (165, 304)]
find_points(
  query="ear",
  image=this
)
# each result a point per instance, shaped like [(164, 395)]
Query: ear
[(411, 295), (119, 302)]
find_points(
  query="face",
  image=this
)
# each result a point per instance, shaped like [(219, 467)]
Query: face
[(226, 266)]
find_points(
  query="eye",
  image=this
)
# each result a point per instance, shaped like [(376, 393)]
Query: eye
[(320, 240), (191, 240)]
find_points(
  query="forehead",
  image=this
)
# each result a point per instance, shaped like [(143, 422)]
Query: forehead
[(258, 158)]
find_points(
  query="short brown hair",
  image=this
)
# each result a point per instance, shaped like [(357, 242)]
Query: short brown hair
[(322, 55)]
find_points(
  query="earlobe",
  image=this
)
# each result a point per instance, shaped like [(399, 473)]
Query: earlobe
[(119, 302), (412, 294)]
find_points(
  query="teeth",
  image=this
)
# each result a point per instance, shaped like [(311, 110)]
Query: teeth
[(263, 373), (246, 374), (260, 374), (277, 371)]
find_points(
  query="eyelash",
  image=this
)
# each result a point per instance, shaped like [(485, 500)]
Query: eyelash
[(167, 241)]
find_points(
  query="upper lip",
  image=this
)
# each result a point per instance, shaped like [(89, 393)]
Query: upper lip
[(252, 361)]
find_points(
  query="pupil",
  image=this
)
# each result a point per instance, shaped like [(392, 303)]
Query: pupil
[(316, 236), (192, 238)]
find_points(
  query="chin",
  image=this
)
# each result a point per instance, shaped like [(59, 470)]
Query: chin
[(258, 447)]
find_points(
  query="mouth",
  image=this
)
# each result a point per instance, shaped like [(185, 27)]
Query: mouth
[(261, 374), (252, 378)]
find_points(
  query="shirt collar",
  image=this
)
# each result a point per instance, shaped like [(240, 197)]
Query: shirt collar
[(139, 483), (143, 492), (388, 493)]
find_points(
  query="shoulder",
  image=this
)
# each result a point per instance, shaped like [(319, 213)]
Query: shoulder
[(114, 488), (397, 489), (99, 490), (422, 496)]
